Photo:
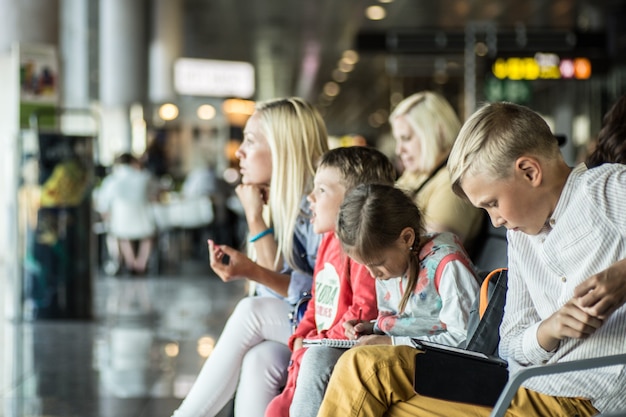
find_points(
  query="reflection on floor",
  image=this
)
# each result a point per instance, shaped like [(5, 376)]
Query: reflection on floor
[(138, 358)]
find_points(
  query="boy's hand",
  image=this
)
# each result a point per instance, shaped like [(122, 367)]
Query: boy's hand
[(570, 321), (374, 339), (228, 263), (603, 293), (357, 328)]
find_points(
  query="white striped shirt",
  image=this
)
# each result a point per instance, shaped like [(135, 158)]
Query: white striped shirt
[(585, 235)]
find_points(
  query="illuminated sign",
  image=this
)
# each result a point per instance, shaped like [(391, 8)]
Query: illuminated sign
[(213, 78), (541, 67), (516, 91)]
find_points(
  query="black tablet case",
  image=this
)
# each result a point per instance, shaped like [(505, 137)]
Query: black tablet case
[(459, 375)]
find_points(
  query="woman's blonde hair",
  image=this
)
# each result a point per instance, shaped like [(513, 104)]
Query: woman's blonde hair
[(297, 138), (371, 219), (494, 137), (434, 122)]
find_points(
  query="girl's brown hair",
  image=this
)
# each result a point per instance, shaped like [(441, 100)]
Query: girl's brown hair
[(371, 218)]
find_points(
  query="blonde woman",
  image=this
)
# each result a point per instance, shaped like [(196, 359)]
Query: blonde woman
[(283, 139), (425, 127)]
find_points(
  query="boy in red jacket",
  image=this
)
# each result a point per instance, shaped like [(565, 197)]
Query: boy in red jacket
[(342, 289)]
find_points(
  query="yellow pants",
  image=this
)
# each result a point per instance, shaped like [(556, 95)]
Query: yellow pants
[(378, 381)]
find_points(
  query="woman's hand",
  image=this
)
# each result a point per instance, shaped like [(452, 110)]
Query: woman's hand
[(228, 263), (356, 328), (253, 197)]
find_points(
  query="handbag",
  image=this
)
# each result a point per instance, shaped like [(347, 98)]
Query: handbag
[(298, 310)]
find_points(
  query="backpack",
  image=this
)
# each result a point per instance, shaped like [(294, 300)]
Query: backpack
[(483, 326)]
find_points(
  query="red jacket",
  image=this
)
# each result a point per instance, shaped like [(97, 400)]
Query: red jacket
[(341, 287)]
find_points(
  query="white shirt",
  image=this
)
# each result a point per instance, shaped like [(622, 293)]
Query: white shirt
[(586, 234)]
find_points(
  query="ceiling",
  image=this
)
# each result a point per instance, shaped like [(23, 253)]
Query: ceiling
[(296, 44)]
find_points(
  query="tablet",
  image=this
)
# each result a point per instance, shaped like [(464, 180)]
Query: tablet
[(460, 375), (426, 345)]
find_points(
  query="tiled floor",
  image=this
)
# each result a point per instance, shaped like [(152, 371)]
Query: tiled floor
[(138, 358)]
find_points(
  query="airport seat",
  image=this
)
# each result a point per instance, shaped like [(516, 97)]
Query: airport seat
[(515, 382)]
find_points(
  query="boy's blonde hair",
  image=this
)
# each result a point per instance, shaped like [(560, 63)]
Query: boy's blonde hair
[(359, 165), (494, 137), (297, 138), (434, 122)]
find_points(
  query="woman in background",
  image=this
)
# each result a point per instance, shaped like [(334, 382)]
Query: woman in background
[(425, 126)]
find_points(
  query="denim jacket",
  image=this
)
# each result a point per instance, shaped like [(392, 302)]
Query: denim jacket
[(305, 245)]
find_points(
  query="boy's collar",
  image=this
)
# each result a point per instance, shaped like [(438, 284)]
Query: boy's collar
[(566, 193)]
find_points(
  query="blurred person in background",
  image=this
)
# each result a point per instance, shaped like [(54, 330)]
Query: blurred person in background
[(125, 201), (425, 126), (283, 140), (200, 188), (154, 159)]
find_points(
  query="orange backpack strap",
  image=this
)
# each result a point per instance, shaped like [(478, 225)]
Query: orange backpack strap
[(484, 291)]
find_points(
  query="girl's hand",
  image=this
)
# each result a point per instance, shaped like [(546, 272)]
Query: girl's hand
[(374, 339), (356, 328), (228, 263)]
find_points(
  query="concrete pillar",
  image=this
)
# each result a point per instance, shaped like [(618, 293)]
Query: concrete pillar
[(273, 56), (28, 21), (23, 22), (74, 54), (122, 70), (564, 120), (469, 74), (165, 48)]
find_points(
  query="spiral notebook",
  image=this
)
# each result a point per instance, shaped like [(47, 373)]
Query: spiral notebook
[(335, 343)]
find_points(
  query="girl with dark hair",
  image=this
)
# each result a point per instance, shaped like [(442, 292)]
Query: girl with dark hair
[(425, 283)]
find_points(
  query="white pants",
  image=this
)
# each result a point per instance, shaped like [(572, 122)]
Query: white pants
[(251, 356)]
